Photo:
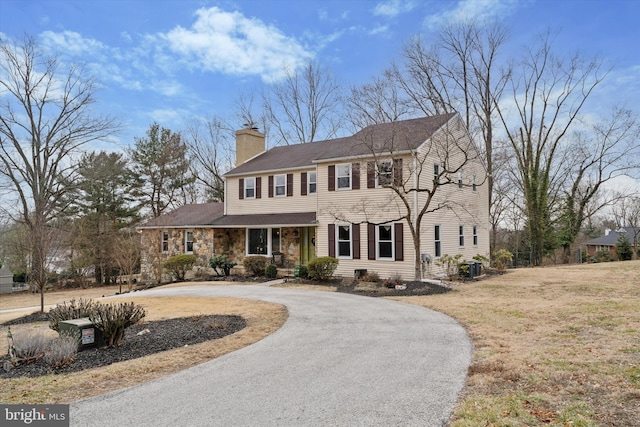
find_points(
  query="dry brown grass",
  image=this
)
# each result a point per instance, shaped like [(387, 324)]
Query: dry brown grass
[(552, 346), (262, 319)]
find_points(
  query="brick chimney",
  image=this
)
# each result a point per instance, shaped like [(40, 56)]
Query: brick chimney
[(249, 143)]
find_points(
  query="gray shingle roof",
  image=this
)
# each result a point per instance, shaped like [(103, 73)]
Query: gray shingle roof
[(386, 137), (612, 238), (188, 215)]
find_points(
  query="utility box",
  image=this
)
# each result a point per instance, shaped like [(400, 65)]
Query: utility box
[(88, 335)]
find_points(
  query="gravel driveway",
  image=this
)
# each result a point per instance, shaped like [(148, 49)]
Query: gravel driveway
[(339, 360)]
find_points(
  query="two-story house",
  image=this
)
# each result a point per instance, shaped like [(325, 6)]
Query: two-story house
[(391, 198)]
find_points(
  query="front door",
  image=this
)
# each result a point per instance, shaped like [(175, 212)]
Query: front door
[(308, 245)]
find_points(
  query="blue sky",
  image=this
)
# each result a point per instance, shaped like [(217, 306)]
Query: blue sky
[(168, 61)]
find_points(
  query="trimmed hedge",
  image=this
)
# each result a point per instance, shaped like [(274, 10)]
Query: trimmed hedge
[(322, 268), (178, 265), (255, 265)]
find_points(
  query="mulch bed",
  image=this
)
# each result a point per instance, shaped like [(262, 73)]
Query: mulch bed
[(163, 335), (379, 289)]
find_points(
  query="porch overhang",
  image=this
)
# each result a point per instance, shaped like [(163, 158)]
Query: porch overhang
[(285, 219)]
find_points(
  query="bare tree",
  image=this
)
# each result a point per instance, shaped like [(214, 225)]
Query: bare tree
[(212, 154), (602, 151), (303, 107), (127, 256), (547, 94), (45, 118)]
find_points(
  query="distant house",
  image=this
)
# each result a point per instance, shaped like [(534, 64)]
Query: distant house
[(336, 198), (609, 240)]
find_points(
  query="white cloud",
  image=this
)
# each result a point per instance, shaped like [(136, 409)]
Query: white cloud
[(391, 8), (72, 43), (229, 42), (478, 10)]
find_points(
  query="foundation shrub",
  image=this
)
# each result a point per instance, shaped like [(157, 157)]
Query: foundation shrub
[(322, 268), (255, 265), (303, 272), (62, 351), (178, 265), (221, 265), (271, 271)]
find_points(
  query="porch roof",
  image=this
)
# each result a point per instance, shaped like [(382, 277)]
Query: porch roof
[(285, 219)]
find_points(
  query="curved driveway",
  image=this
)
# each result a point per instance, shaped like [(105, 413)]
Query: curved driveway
[(339, 360)]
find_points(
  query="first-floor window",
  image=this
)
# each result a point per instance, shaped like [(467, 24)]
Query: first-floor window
[(263, 241), (438, 243), (461, 235), (165, 241), (385, 241), (475, 235), (188, 241), (344, 241)]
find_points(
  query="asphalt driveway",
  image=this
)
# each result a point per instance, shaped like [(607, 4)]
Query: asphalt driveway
[(339, 360)]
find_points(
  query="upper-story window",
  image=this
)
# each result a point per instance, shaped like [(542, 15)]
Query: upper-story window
[(280, 185), (311, 176), (188, 242), (343, 176), (165, 241), (249, 188), (385, 173)]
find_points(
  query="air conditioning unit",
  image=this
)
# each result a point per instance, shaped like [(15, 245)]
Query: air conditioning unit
[(426, 258)]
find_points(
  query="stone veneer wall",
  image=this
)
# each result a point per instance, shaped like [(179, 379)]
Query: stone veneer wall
[(207, 242)]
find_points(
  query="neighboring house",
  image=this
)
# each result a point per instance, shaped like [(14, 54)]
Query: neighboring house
[(609, 240), (336, 198)]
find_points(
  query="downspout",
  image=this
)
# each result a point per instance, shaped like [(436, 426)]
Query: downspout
[(224, 202), (416, 182)]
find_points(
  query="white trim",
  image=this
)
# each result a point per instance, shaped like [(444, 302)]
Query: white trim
[(461, 236), (162, 241), (284, 185), (350, 176), (315, 174), (185, 241), (436, 241), (377, 172), (246, 188), (350, 256), (392, 241)]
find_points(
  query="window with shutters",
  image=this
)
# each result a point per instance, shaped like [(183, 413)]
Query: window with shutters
[(384, 238), (311, 181), (249, 188), (385, 173), (343, 176), (280, 185)]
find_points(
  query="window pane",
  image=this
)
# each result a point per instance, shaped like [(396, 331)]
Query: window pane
[(344, 249), (312, 188), (280, 185), (438, 250), (189, 241), (344, 182), (385, 232), (275, 240), (312, 182), (343, 232), (385, 250), (257, 241), (343, 172), (249, 188), (437, 232), (384, 173)]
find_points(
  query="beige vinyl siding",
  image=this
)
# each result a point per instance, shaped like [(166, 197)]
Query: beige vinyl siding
[(353, 206), (469, 208), (266, 204)]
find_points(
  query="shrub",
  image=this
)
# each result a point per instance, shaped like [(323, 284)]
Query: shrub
[(62, 351), (303, 272), (178, 265), (223, 263), (31, 345), (501, 258), (602, 255), (255, 265), (271, 271), (453, 265), (482, 260), (113, 319), (68, 311), (371, 276), (322, 268), (623, 248)]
